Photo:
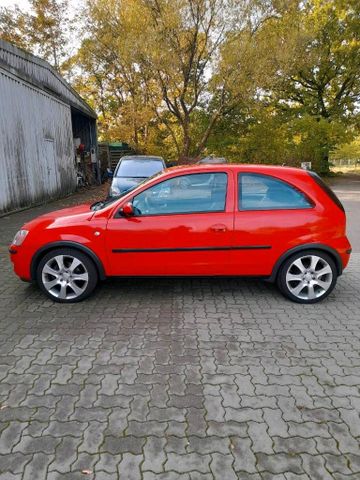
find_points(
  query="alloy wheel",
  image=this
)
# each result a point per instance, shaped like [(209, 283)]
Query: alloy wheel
[(65, 277), (309, 277)]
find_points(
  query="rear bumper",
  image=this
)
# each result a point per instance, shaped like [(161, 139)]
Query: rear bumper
[(344, 250)]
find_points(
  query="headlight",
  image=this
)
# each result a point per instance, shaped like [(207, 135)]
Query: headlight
[(20, 237)]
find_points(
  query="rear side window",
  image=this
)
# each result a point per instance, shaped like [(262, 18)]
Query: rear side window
[(330, 193), (262, 192)]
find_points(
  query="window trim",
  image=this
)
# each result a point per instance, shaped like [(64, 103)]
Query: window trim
[(117, 215), (264, 209)]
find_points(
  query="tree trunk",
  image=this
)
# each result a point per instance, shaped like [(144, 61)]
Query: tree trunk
[(324, 165), (185, 152), (202, 144)]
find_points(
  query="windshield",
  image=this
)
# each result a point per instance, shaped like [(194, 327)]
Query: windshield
[(104, 203), (139, 168)]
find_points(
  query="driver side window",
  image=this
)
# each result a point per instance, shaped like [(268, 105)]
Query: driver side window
[(194, 193)]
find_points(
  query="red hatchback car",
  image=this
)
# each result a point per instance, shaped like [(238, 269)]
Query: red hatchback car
[(283, 224)]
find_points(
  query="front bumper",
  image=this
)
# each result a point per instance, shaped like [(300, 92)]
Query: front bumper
[(20, 257)]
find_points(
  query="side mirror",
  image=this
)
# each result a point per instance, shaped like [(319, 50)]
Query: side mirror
[(127, 210)]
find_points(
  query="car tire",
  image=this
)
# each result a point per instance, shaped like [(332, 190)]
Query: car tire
[(66, 275), (307, 277)]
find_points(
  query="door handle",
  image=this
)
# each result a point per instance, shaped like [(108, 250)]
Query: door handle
[(219, 227)]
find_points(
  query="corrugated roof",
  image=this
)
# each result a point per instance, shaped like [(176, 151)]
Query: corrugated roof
[(41, 74)]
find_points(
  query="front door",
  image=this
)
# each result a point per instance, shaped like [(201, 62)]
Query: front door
[(181, 226)]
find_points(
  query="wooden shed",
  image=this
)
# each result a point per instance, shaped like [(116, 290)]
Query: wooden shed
[(40, 115)]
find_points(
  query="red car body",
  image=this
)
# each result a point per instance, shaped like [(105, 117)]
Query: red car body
[(231, 242)]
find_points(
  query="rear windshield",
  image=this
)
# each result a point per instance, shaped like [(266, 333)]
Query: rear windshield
[(327, 190), (139, 168)]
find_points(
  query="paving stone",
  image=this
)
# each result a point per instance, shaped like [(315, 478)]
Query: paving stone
[(169, 476), (65, 455), (196, 424), (117, 421), (10, 436), (214, 409), (14, 462), (84, 461), (192, 379), (314, 466), (294, 476), (295, 445), (341, 433), (187, 462), (9, 476), (44, 444), (261, 442), (143, 429), (277, 425), (60, 429), (204, 445), (154, 453), (245, 460), (243, 414), (129, 467), (130, 444), (108, 463), (337, 464), (93, 437), (279, 463), (222, 466)]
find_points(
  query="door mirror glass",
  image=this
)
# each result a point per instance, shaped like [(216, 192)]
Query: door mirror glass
[(127, 210)]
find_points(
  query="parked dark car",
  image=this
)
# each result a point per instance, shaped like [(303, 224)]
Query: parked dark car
[(132, 170), (212, 161)]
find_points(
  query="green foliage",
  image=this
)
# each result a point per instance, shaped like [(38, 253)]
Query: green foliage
[(347, 151), (43, 31), (262, 81)]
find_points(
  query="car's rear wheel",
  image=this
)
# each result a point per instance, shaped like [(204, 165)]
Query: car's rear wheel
[(307, 277), (66, 275)]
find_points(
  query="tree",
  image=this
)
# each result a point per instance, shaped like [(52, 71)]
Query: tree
[(44, 31), (12, 26), (111, 76), (47, 29), (166, 53), (183, 39), (304, 78), (323, 79), (261, 80)]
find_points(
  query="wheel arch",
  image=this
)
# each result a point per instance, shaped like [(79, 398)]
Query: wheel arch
[(66, 244), (307, 246)]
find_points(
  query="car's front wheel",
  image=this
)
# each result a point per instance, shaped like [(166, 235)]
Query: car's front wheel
[(66, 275), (307, 277)]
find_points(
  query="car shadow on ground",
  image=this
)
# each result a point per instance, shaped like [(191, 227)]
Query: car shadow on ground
[(157, 289)]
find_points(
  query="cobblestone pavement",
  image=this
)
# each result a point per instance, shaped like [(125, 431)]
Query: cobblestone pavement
[(178, 379)]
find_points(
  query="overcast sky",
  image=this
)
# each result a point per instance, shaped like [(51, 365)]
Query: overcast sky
[(24, 4)]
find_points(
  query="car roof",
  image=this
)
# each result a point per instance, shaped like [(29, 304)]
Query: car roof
[(255, 168), (141, 157)]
